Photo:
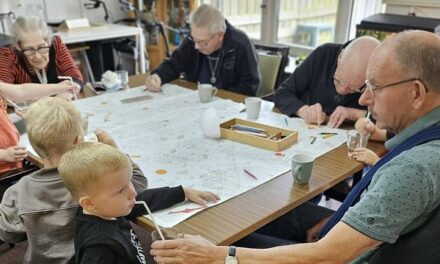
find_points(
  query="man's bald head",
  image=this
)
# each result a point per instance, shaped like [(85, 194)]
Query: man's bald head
[(416, 54), (353, 61)]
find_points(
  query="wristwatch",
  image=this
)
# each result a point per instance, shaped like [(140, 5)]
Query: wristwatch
[(231, 258)]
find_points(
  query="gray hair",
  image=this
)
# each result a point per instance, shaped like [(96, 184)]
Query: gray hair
[(210, 17), (418, 56), (25, 25)]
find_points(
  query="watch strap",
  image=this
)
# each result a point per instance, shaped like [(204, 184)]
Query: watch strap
[(232, 251)]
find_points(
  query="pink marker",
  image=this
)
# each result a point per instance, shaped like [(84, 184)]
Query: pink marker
[(250, 174)]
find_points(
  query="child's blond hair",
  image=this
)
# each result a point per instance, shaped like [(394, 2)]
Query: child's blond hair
[(53, 125), (86, 163)]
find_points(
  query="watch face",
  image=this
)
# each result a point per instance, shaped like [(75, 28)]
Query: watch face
[(231, 260)]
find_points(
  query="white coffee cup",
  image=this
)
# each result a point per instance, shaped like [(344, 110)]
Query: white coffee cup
[(253, 105), (206, 92)]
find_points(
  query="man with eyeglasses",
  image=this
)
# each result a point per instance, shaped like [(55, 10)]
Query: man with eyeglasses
[(328, 83), (215, 52), (37, 58), (392, 215)]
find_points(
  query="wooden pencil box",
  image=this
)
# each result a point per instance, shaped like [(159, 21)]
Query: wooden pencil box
[(277, 139)]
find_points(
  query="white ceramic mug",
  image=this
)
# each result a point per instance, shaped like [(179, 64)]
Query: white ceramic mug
[(206, 92), (253, 105)]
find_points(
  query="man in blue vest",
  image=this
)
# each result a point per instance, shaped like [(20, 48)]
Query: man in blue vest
[(399, 194)]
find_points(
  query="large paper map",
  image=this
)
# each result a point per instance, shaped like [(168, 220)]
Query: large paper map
[(162, 134)]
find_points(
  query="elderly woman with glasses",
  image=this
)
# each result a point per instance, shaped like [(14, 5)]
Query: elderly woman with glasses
[(215, 52), (37, 57)]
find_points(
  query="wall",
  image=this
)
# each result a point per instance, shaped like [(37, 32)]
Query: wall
[(59, 10)]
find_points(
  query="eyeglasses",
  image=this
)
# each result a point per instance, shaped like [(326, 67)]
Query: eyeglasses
[(373, 88), (201, 43), (337, 82), (31, 51)]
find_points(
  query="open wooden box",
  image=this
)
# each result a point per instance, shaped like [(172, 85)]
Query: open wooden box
[(280, 138)]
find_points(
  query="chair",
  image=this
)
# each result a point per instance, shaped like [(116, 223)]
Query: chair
[(418, 246), (272, 61), (340, 191)]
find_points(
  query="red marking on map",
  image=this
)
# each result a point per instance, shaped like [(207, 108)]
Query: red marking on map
[(187, 210)]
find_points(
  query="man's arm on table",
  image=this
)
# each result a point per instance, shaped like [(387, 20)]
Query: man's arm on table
[(341, 245), (287, 96)]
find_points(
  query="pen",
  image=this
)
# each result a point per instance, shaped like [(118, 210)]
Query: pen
[(250, 174), (313, 139), (328, 133), (285, 120)]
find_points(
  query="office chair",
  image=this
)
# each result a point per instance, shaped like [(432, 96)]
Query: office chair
[(418, 246), (272, 61)]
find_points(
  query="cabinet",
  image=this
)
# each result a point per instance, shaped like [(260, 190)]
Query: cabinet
[(170, 15), (383, 25)]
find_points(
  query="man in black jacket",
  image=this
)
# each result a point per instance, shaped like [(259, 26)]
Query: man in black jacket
[(328, 83), (215, 52)]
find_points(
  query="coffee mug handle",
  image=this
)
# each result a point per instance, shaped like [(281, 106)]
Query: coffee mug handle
[(297, 172), (214, 91)]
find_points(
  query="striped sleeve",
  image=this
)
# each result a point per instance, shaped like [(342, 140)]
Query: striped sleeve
[(9, 69), (65, 64)]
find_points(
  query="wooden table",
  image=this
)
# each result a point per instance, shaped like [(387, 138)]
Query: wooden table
[(229, 221)]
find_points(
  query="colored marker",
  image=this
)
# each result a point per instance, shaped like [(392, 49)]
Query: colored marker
[(250, 174)]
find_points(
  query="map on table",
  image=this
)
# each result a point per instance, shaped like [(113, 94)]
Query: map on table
[(162, 134)]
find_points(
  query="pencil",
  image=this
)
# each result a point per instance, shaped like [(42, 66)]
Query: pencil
[(250, 174), (71, 82), (327, 136), (313, 139), (14, 104), (285, 120), (328, 133)]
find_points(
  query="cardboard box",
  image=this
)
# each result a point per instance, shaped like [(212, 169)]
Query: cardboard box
[(278, 138)]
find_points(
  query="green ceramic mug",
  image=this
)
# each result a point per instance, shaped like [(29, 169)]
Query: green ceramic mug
[(302, 165)]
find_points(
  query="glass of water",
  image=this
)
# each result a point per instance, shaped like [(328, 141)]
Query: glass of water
[(353, 141), (123, 77)]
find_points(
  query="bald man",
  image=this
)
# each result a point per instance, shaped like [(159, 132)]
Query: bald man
[(327, 83)]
